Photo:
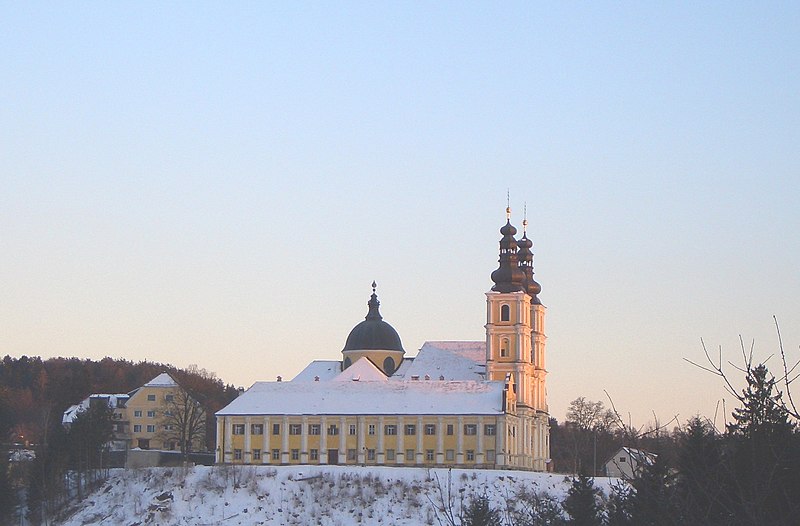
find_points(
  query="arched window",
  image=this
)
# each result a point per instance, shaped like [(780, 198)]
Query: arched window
[(505, 313), (347, 362), (388, 366), (504, 348)]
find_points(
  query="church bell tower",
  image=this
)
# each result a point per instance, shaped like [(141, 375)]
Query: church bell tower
[(515, 340)]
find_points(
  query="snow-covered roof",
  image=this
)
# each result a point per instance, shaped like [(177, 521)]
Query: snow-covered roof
[(640, 455), (113, 400), (420, 397), (454, 360), (361, 371), (324, 369), (162, 380)]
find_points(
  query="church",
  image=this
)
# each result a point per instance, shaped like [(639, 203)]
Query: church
[(480, 404)]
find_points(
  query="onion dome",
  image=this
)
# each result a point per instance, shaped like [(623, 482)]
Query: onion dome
[(373, 333), (508, 277), (526, 264)]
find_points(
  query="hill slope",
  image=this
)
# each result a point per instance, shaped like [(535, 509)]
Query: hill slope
[(302, 495)]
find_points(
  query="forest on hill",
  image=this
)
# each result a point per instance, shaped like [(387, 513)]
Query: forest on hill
[(34, 392)]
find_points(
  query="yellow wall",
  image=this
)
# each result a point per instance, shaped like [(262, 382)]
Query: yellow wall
[(362, 441)]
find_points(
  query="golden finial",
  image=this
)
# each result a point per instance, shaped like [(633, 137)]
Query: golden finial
[(508, 205), (524, 218)]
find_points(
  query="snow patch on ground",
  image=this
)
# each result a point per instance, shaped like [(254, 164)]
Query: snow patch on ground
[(300, 495)]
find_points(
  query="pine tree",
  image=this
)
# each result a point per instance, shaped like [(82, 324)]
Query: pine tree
[(654, 502), (581, 502), (480, 513), (763, 457), (701, 482), (763, 416)]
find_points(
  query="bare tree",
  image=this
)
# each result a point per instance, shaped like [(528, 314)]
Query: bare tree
[(184, 422)]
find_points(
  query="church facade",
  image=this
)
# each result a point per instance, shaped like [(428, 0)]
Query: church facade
[(476, 404)]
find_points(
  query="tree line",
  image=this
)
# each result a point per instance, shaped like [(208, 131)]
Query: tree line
[(747, 474), (34, 393)]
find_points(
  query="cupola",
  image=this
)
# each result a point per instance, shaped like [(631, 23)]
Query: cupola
[(374, 339)]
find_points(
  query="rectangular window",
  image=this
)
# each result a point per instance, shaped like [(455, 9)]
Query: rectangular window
[(351, 455), (390, 454), (489, 430), (450, 455), (470, 455), (138, 413), (314, 454), (151, 414), (256, 454), (237, 454), (151, 428), (256, 429), (622, 459), (371, 429), (169, 427), (276, 429), (169, 398), (352, 429), (151, 398), (450, 429), (313, 429), (470, 429), (137, 428), (238, 429), (490, 456), (410, 455), (295, 454), (430, 429), (276, 454), (390, 430), (295, 429), (411, 429), (429, 455), (371, 455), (333, 430)]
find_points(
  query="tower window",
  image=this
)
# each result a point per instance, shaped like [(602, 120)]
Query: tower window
[(388, 366), (504, 348), (505, 313)]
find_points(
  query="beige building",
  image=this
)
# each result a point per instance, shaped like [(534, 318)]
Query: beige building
[(476, 404), (140, 417)]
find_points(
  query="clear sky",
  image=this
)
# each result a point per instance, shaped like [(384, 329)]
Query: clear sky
[(219, 183)]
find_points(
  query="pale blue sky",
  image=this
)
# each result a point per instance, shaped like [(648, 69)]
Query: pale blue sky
[(219, 183)]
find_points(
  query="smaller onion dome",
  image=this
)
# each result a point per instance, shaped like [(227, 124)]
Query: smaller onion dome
[(526, 264)]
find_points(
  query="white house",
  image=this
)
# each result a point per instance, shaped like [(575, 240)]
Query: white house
[(627, 462)]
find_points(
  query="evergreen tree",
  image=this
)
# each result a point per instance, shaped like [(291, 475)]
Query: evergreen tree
[(581, 502), (480, 513), (654, 502), (763, 415), (618, 508), (701, 483), (763, 457)]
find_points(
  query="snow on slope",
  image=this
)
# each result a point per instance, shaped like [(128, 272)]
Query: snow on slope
[(297, 495)]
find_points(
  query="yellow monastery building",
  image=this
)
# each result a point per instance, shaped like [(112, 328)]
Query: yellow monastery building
[(456, 404)]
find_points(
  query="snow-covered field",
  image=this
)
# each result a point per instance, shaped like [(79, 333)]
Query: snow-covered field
[(302, 495)]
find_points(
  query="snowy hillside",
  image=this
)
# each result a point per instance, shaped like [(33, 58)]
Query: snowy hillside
[(302, 495)]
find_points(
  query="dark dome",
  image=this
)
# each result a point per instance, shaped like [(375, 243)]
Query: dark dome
[(373, 333)]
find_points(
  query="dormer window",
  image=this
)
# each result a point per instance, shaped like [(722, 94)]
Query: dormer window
[(505, 313)]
